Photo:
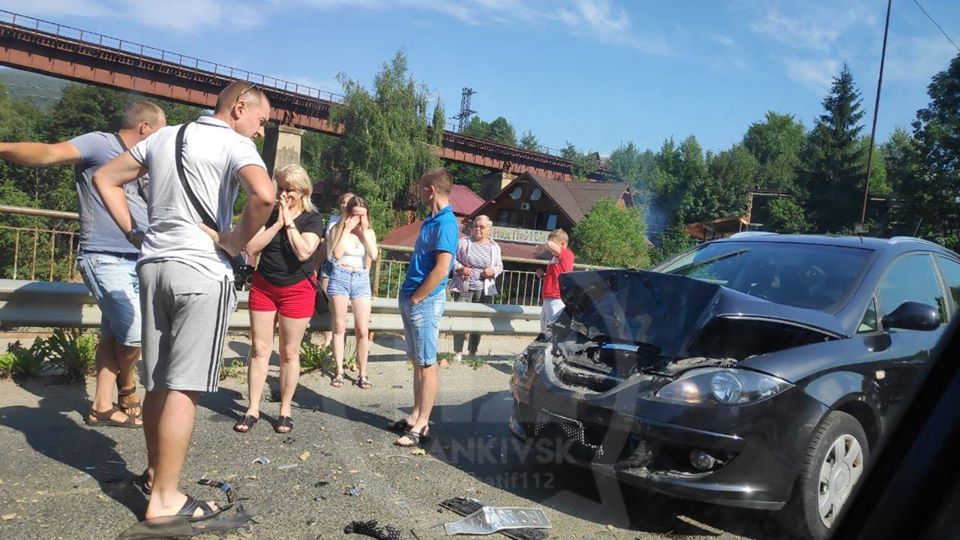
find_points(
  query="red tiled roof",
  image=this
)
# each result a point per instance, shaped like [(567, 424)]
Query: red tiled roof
[(464, 200), (406, 236)]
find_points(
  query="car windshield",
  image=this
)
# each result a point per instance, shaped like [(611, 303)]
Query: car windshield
[(800, 275)]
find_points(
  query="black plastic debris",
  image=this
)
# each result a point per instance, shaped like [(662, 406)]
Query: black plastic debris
[(464, 507), (322, 483), (373, 529), (288, 440)]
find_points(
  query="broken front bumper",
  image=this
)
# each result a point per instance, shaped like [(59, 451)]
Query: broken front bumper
[(753, 451)]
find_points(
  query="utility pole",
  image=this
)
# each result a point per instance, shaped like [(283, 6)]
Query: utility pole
[(465, 111), (876, 108)]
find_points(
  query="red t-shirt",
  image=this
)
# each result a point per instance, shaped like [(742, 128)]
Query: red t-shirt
[(559, 265)]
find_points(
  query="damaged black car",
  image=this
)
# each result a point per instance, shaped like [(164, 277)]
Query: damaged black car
[(759, 371)]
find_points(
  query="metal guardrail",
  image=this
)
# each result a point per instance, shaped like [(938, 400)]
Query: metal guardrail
[(49, 253), (70, 305)]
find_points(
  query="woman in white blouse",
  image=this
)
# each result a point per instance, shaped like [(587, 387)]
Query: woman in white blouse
[(475, 269)]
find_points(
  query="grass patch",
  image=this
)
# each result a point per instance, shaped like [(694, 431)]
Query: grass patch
[(26, 362), (234, 367)]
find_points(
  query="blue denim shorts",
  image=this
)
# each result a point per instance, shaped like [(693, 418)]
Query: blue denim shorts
[(326, 268), (113, 282), (421, 326), (349, 283)]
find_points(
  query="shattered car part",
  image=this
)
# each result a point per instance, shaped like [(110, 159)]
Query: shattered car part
[(491, 519), (262, 460), (464, 506), (373, 529)]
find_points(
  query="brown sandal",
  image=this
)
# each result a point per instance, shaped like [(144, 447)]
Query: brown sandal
[(125, 407), (96, 418)]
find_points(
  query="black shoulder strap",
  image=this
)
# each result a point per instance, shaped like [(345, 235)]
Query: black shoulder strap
[(123, 146), (204, 215)]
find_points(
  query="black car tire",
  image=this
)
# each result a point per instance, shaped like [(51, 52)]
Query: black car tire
[(801, 516)]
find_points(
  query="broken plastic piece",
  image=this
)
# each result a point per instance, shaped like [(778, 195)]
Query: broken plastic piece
[(373, 530), (262, 460), (353, 491), (464, 506), (491, 519), (285, 467)]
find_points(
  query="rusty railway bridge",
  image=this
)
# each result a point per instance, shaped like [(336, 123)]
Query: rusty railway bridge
[(61, 51)]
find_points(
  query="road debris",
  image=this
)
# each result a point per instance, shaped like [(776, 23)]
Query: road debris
[(8, 517), (419, 452), (305, 456), (528, 525), (286, 467), (373, 529), (353, 491), (262, 460)]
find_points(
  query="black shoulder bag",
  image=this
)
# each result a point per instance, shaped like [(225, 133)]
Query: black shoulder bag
[(242, 272), (321, 305)]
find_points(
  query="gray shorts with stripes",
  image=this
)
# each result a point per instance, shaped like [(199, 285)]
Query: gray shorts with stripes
[(185, 315)]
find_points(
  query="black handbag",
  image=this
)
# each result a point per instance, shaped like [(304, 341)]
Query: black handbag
[(242, 272)]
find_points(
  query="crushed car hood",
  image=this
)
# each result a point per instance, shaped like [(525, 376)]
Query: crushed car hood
[(668, 311)]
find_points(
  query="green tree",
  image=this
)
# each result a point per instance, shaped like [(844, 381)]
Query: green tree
[(438, 124), (674, 240), (611, 235), (584, 164), (786, 216), (529, 142), (384, 147), (499, 131), (835, 164), (776, 143), (731, 174), (937, 134), (904, 174)]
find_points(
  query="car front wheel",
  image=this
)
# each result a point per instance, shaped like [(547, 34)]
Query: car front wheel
[(833, 465)]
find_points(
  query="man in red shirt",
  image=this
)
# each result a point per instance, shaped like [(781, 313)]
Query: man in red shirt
[(561, 262)]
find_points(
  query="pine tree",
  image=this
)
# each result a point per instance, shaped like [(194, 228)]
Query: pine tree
[(835, 159)]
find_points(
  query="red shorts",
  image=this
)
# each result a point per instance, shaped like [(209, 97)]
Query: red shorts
[(292, 301)]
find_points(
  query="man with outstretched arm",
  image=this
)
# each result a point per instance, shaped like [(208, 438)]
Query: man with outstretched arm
[(106, 258), (186, 281), (422, 300)]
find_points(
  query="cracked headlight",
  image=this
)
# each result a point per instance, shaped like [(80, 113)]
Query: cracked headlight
[(722, 385)]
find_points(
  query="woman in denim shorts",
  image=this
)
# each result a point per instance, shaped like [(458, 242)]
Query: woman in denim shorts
[(352, 246)]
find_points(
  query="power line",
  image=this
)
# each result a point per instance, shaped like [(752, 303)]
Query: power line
[(936, 24)]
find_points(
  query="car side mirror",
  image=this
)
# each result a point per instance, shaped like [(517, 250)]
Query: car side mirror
[(913, 316)]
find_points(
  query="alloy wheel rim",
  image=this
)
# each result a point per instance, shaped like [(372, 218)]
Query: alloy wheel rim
[(841, 469)]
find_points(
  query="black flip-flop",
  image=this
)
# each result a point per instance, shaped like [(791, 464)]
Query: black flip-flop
[(191, 506), (247, 421), (284, 422)]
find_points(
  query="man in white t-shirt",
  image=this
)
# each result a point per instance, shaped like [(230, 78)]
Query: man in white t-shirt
[(186, 282)]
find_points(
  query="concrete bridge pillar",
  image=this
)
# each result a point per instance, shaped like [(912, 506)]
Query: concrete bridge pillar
[(281, 146)]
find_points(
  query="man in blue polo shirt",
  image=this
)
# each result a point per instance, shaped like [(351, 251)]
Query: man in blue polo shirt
[(422, 299)]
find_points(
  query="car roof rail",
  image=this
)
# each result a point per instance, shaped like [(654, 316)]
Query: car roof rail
[(747, 234), (902, 239)]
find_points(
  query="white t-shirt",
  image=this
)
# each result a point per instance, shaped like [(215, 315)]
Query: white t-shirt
[(213, 153)]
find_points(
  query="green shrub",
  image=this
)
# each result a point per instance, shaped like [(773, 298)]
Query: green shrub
[(233, 367), (72, 352), (26, 362), (6, 364), (314, 357)]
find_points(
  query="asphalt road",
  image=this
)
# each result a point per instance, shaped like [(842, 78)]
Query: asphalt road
[(62, 479)]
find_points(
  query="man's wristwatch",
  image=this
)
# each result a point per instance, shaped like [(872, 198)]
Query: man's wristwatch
[(129, 235)]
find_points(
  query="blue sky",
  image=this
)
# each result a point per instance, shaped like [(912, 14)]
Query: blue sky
[(597, 73)]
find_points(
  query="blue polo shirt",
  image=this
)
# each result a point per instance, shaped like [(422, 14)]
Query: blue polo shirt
[(439, 232)]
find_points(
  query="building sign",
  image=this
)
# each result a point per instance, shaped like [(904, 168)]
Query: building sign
[(519, 236)]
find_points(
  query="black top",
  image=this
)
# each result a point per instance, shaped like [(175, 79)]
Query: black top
[(278, 263)]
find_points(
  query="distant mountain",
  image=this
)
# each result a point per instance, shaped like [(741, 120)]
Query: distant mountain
[(41, 90)]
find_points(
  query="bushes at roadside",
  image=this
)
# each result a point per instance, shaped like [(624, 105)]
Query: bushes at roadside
[(69, 353)]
